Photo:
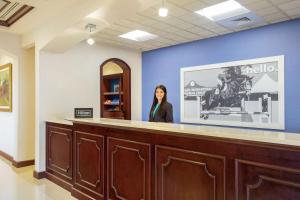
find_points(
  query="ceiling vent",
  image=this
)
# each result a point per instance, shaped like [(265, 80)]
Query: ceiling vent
[(244, 20)]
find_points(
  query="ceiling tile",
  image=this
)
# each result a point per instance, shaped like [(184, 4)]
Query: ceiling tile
[(212, 2), (174, 37), (190, 17), (257, 5), (176, 11), (173, 21), (274, 17), (195, 5), (246, 2), (293, 12), (200, 31), (295, 16), (290, 5), (181, 2), (186, 34), (277, 2), (267, 11), (184, 26)]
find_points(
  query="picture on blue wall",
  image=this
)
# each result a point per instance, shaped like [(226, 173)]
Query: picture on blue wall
[(247, 93)]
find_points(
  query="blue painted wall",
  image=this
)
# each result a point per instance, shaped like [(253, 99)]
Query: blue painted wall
[(163, 65)]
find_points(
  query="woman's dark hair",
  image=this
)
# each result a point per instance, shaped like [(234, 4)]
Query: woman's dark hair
[(164, 100)]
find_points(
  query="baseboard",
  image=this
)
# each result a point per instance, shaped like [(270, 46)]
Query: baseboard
[(62, 183), (24, 163), (6, 156), (39, 175), (80, 195), (16, 164)]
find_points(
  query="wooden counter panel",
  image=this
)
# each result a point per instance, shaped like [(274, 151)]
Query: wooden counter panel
[(59, 151), (258, 181), (129, 172), (187, 175), (89, 164)]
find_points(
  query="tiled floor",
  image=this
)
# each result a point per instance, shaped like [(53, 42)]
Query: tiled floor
[(19, 184)]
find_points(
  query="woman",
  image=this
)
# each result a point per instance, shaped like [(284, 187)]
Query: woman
[(161, 110)]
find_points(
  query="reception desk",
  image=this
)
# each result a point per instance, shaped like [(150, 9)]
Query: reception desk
[(134, 160)]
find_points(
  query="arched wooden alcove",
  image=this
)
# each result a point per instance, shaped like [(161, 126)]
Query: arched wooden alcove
[(115, 85)]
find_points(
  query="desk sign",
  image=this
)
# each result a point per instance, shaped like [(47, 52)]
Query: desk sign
[(83, 112)]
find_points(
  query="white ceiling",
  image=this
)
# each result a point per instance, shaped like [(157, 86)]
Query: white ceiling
[(183, 25), (115, 17)]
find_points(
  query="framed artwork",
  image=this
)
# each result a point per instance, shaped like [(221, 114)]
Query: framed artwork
[(6, 88), (247, 93)]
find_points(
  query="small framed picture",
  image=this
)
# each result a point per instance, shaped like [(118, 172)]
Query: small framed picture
[(6, 88), (116, 88)]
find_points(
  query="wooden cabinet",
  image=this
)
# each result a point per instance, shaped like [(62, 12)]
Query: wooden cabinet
[(128, 169), (258, 181), (188, 175), (59, 140), (89, 164), (115, 89)]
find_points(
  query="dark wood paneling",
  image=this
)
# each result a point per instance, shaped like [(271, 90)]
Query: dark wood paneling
[(257, 181), (59, 151), (187, 175), (115, 115), (89, 167), (128, 170)]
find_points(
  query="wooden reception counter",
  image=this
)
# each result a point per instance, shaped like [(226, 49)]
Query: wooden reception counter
[(133, 160)]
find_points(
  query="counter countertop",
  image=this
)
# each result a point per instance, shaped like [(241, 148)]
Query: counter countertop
[(61, 121), (271, 137)]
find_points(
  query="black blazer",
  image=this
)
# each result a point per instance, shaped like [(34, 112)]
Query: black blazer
[(164, 114)]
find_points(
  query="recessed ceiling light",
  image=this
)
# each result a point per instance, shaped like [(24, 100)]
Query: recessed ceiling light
[(163, 12), (138, 35), (223, 10)]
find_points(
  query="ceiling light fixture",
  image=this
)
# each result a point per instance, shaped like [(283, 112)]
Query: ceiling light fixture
[(90, 41), (138, 35), (163, 11), (223, 10), (91, 28)]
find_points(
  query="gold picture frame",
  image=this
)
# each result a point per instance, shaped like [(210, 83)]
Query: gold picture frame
[(6, 88)]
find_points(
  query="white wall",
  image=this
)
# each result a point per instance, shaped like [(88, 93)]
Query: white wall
[(17, 127), (9, 120), (26, 106), (72, 79), (10, 51)]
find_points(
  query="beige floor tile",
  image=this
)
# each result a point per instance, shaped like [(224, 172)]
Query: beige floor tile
[(19, 184)]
